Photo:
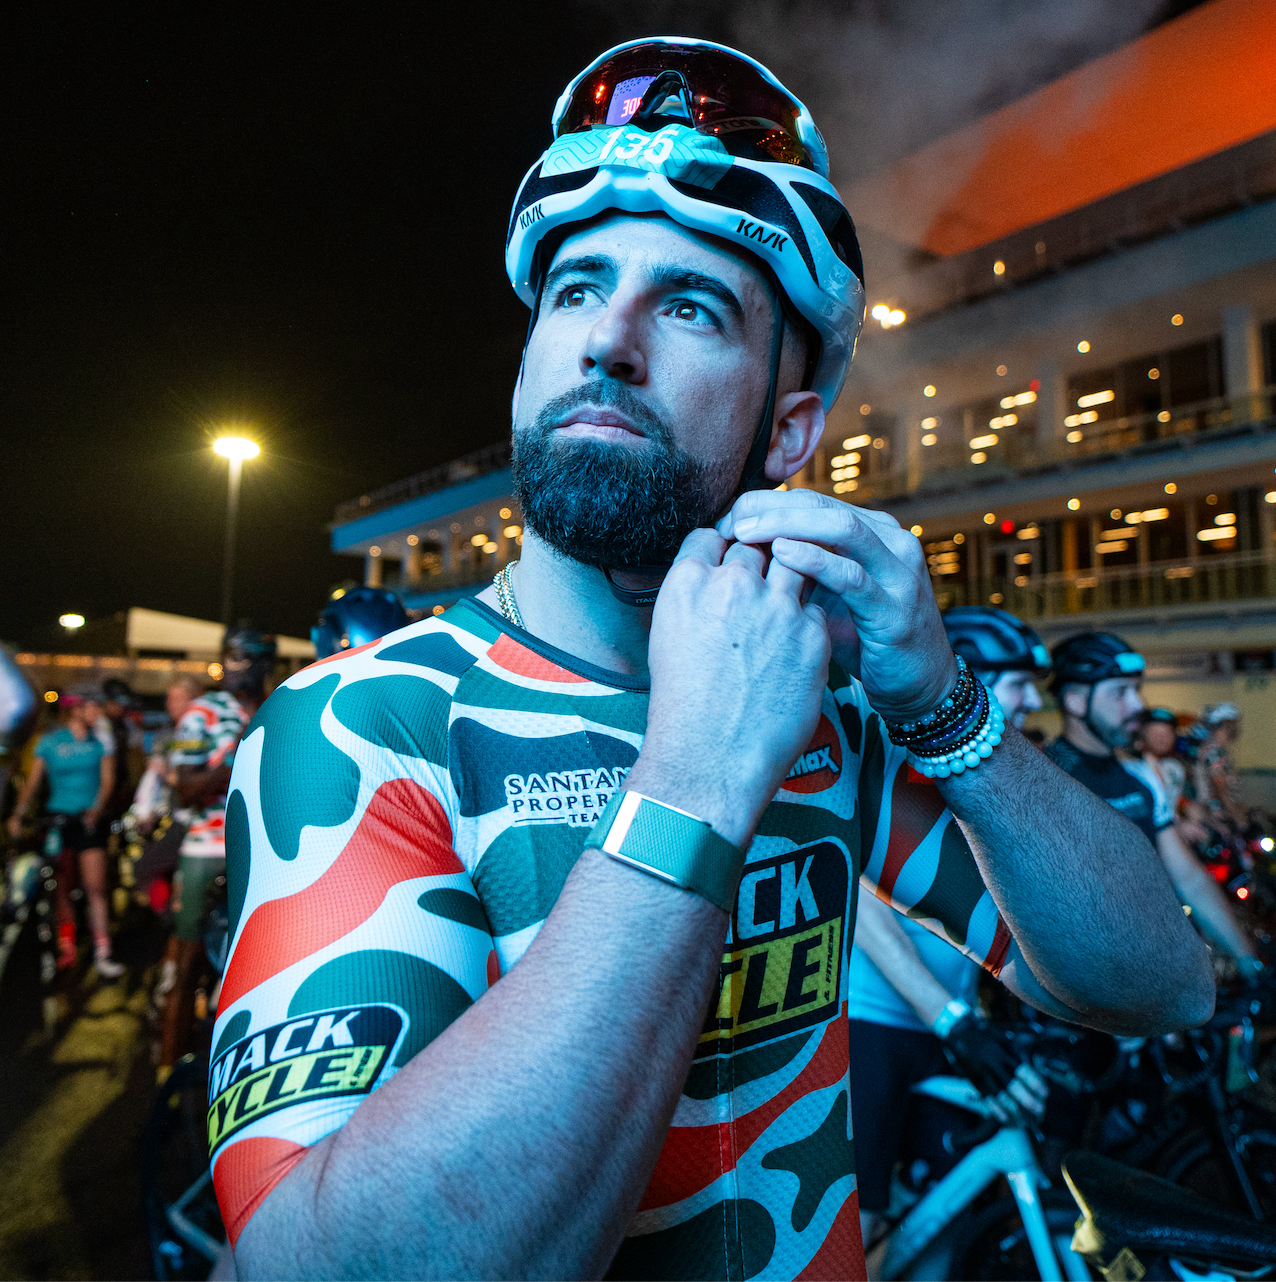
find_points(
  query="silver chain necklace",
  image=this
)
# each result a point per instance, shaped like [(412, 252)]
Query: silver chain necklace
[(503, 583)]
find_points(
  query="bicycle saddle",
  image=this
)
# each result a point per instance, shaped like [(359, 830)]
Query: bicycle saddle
[(1122, 1207)]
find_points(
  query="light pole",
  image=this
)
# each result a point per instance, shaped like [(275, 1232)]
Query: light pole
[(235, 449)]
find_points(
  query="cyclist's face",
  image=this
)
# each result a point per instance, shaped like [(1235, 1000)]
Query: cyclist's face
[(1159, 737), (1018, 696), (1115, 709)]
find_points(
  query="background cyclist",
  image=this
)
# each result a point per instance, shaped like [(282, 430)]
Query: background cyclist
[(1214, 775), (204, 747), (355, 617), (1098, 679), (79, 760), (913, 997)]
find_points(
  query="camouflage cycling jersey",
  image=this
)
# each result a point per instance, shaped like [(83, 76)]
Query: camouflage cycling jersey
[(400, 822), (205, 738)]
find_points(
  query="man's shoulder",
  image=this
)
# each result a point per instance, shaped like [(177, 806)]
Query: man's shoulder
[(1064, 754)]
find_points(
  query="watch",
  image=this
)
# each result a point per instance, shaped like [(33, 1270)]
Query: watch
[(669, 844)]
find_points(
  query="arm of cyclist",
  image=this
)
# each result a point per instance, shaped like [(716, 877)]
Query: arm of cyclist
[(193, 785), (1091, 908), (106, 782), (972, 1048), (29, 786), (565, 1073), (1200, 892), (1082, 892)]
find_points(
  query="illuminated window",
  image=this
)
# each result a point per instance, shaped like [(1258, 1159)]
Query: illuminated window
[(979, 457), (1096, 398), (1074, 438), (856, 442), (929, 439)]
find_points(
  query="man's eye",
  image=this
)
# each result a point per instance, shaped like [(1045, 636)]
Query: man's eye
[(574, 297), (686, 311)]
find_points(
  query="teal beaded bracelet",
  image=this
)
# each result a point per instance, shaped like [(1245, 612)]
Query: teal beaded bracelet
[(967, 755)]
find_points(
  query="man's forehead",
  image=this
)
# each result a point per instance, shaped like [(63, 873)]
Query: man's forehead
[(653, 241)]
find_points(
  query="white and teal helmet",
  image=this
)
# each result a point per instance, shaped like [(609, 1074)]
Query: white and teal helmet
[(711, 138)]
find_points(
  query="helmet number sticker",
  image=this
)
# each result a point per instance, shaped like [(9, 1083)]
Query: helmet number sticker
[(674, 151)]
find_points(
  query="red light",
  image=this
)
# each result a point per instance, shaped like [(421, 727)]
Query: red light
[(598, 93), (1007, 527), (1242, 892), (1035, 385)]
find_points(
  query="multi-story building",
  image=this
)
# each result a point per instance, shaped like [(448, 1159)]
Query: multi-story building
[(1066, 384)]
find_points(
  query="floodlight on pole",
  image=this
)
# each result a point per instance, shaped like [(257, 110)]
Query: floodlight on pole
[(235, 449)]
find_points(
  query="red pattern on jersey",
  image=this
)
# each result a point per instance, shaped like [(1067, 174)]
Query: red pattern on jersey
[(508, 654), (403, 834), (341, 654), (914, 810), (841, 1254), (245, 1174), (1001, 940), (694, 1156)]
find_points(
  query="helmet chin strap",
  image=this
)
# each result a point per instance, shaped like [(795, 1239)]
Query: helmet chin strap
[(753, 476)]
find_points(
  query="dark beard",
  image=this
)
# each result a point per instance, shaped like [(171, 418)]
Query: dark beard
[(611, 505)]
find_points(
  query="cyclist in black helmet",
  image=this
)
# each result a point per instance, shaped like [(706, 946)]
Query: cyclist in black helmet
[(913, 996), (206, 738), (355, 617), (1006, 655), (1097, 680)]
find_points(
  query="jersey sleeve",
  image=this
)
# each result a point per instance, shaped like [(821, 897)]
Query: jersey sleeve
[(914, 855), (1162, 813), (43, 749), (356, 935), (190, 739)]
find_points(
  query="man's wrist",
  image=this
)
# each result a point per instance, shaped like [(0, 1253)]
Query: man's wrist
[(953, 1013), (727, 804)]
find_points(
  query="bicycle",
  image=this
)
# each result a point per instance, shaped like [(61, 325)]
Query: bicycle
[(183, 1221), (1030, 1229), (1137, 1226)]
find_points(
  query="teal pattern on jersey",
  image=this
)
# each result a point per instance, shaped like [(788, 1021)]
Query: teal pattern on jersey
[(405, 817)]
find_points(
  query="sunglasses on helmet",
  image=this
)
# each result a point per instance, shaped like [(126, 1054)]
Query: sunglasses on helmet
[(653, 84)]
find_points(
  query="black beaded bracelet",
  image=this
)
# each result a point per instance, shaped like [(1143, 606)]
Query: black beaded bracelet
[(951, 713)]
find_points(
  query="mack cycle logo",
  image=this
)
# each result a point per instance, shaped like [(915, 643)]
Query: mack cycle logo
[(820, 766), (766, 236), (784, 965), (319, 1056), (574, 797)]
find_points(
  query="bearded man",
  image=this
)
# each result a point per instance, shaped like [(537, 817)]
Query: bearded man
[(541, 908)]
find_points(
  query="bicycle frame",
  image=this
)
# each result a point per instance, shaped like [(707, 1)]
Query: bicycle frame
[(1009, 1153)]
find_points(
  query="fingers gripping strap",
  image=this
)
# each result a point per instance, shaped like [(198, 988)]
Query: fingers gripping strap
[(670, 844)]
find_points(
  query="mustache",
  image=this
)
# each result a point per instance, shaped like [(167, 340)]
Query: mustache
[(606, 393)]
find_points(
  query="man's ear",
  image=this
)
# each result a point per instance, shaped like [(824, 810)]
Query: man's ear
[(1073, 701), (798, 428)]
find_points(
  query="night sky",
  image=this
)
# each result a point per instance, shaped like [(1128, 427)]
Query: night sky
[(291, 218)]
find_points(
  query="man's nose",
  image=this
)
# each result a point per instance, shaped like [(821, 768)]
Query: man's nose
[(615, 345)]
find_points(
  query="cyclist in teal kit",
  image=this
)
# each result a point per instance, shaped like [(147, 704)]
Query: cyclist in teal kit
[(78, 758)]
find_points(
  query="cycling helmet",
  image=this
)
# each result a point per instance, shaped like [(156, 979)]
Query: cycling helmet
[(1164, 715), (991, 640), (250, 642), (1092, 657), (1214, 714), (355, 616), (84, 692)]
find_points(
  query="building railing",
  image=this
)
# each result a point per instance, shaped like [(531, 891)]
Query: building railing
[(947, 468), (471, 466), (463, 576), (1213, 578)]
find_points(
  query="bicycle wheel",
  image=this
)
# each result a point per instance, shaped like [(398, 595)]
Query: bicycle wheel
[(994, 1246), (183, 1223), (1194, 1162)]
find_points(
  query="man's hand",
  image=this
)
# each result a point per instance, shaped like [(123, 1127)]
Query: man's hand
[(738, 668), (1012, 1089), (878, 570)]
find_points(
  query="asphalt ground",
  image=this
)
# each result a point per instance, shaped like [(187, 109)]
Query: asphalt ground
[(73, 1103)]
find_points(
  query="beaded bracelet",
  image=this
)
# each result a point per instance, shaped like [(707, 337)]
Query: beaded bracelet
[(957, 735)]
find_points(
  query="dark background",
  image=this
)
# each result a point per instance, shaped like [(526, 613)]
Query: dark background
[(291, 218)]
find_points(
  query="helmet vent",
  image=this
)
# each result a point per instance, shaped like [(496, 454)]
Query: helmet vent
[(837, 225)]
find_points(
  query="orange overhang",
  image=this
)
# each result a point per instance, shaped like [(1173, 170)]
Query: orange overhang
[(1193, 87)]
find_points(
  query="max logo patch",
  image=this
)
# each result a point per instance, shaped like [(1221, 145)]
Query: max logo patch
[(820, 766), (319, 1056)]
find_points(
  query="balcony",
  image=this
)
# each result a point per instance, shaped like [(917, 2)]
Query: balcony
[(953, 468), (491, 458), (1217, 580)]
